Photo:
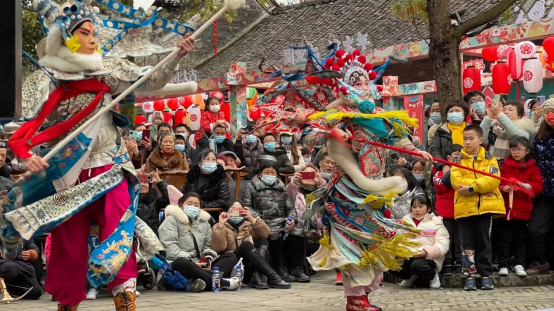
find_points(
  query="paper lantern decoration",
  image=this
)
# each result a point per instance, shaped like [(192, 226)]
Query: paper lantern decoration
[(255, 113), (181, 116), (532, 76), (168, 118), (140, 119), (226, 108), (525, 49), (252, 96), (194, 115), (148, 107), (173, 104), (516, 65), (159, 105), (501, 78), (196, 99), (490, 54), (471, 78), (548, 47)]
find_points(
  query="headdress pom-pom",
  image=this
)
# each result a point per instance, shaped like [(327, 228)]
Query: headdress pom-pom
[(340, 62), (339, 53), (366, 106), (343, 90), (372, 75), (379, 88), (362, 59), (329, 63), (335, 67), (356, 53), (368, 67)]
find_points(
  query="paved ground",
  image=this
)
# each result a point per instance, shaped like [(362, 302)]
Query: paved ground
[(321, 295)]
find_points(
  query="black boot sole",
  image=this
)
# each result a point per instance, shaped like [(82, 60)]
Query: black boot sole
[(279, 286), (258, 286), (302, 280)]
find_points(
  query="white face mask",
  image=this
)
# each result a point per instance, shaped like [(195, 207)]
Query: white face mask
[(214, 108)]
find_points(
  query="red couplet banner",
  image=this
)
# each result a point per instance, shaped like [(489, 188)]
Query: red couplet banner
[(413, 104)]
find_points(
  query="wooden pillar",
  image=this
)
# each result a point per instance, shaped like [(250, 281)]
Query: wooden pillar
[(11, 64)]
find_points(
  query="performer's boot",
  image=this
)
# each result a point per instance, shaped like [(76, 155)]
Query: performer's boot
[(67, 308), (125, 295), (360, 303)]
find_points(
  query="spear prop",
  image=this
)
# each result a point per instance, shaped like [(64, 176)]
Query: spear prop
[(228, 5)]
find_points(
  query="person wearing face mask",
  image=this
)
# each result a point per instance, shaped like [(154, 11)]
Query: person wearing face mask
[(248, 148), (241, 233), (418, 170), (410, 188), (184, 131), (208, 180), (435, 118), (145, 146), (212, 116), (165, 159), (150, 201), (186, 236), (284, 165), (288, 141), (476, 102), (449, 133), (423, 268), (267, 196)]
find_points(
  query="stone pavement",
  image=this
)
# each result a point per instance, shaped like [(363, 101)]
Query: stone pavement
[(320, 295)]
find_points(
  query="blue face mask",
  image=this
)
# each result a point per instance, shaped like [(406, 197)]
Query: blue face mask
[(180, 147), (455, 118), (191, 211), (530, 114), (235, 220), (139, 136), (306, 160), (219, 139), (250, 139), (436, 117), (479, 107), (269, 180), (270, 147), (209, 167), (286, 140)]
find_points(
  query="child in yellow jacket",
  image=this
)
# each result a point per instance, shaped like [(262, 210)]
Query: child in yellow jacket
[(476, 199)]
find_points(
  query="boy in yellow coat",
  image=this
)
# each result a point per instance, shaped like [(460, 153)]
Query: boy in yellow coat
[(477, 198)]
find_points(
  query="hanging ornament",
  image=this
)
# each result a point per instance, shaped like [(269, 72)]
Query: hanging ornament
[(168, 118), (215, 37), (501, 79), (541, 56), (516, 65), (525, 49), (226, 108), (194, 118), (471, 78), (173, 103), (181, 116), (490, 54), (148, 107), (532, 75), (196, 99), (548, 46), (159, 105)]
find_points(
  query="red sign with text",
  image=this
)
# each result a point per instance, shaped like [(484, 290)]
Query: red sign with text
[(414, 106)]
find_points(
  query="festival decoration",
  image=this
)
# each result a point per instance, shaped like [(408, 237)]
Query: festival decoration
[(159, 105), (196, 99), (173, 104), (148, 107), (181, 116), (215, 38), (226, 108), (532, 76), (255, 113), (548, 47), (471, 79), (525, 49), (194, 114), (168, 117), (490, 54), (140, 119), (516, 65), (501, 79), (251, 96)]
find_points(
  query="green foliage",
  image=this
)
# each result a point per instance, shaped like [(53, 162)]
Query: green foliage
[(410, 10)]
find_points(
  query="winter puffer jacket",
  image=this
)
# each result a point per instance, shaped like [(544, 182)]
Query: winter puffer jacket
[(477, 203), (273, 204), (544, 155), (149, 203), (176, 234), (215, 189), (284, 165), (433, 237), (444, 203), (441, 142), (248, 154), (226, 239), (401, 204), (525, 171)]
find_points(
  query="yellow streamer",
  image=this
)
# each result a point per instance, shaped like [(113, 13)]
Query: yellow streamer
[(324, 241), (73, 44)]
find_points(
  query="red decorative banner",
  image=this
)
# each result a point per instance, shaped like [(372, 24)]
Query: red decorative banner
[(478, 63), (413, 104)]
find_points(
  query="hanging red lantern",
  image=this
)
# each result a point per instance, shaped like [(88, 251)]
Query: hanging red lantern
[(516, 65), (490, 54), (471, 78), (168, 118), (548, 46), (173, 103), (181, 116), (226, 108), (140, 119), (255, 113), (187, 101), (501, 78), (159, 105), (532, 75)]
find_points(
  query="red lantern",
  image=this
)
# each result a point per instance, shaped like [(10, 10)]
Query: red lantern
[(140, 119), (187, 101), (226, 108), (490, 54), (471, 78), (516, 65), (181, 116), (159, 105), (168, 118), (255, 113), (501, 78), (548, 46), (173, 103)]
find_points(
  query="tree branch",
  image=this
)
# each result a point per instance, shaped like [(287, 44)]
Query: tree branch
[(485, 17)]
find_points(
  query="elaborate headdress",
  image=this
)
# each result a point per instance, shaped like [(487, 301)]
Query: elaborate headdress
[(67, 19)]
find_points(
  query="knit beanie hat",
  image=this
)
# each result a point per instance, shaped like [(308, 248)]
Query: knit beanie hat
[(549, 104)]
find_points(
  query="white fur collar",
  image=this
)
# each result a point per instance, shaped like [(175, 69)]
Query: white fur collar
[(66, 61), (177, 212)]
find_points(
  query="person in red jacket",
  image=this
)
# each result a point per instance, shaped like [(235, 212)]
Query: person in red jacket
[(212, 116), (444, 205), (513, 227)]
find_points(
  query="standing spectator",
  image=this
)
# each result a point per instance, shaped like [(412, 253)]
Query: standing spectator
[(306, 154), (477, 107), (157, 119), (284, 165), (248, 150), (418, 170), (326, 164), (435, 116), (449, 133), (163, 128), (476, 199), (221, 142), (266, 195), (166, 160), (182, 129), (208, 180), (288, 141), (512, 229), (542, 218), (5, 169), (444, 206), (211, 117), (424, 267), (20, 274), (149, 200), (410, 188)]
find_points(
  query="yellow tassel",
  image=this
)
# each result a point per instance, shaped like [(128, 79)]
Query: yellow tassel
[(324, 241), (320, 114), (73, 44), (379, 200), (323, 262)]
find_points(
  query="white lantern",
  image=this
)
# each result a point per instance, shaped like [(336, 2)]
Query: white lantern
[(532, 76), (525, 49), (194, 117), (148, 107)]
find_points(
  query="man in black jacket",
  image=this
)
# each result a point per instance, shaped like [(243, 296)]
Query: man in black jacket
[(19, 275), (150, 203)]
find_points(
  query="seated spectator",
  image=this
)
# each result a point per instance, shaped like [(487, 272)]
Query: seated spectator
[(5, 169), (166, 160), (512, 229), (184, 131), (326, 165), (410, 188), (444, 206), (145, 145), (284, 165), (424, 267), (288, 142), (150, 202), (229, 161), (306, 154), (266, 195), (248, 150), (241, 233), (20, 274), (186, 236), (208, 180)]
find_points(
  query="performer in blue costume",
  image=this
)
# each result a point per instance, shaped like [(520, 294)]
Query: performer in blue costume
[(91, 179)]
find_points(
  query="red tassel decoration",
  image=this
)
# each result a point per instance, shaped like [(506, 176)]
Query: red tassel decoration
[(215, 37)]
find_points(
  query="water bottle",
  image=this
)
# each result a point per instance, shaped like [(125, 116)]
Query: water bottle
[(216, 280), (287, 231), (238, 274)]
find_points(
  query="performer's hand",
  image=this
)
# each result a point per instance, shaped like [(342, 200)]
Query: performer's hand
[(426, 156), (342, 134), (25, 255), (186, 45), (36, 164)]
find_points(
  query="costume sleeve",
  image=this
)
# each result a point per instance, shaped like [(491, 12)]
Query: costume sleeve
[(169, 237), (48, 247), (511, 129), (315, 138), (485, 184)]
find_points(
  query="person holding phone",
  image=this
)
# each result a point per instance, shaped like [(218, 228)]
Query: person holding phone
[(150, 200)]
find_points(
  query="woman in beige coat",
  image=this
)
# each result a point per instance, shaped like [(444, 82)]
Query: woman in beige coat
[(240, 234)]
